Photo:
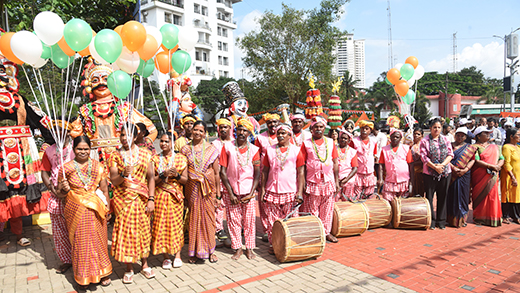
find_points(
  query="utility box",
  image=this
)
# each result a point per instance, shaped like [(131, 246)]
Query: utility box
[(507, 84), (512, 46)]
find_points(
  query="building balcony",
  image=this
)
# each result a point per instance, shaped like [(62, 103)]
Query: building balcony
[(200, 24), (205, 44), (176, 3), (226, 21), (171, 5)]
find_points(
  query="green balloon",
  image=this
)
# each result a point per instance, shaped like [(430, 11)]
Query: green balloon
[(407, 71), (170, 35), (387, 81), (409, 98), (181, 61), (119, 83), (78, 34), (108, 45), (59, 57), (146, 68), (46, 53)]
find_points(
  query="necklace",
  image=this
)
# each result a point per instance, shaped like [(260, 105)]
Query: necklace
[(298, 140), (316, 151), (239, 154), (196, 162), (280, 157), (394, 153), (271, 141), (162, 166), (133, 159), (85, 181), (343, 155)]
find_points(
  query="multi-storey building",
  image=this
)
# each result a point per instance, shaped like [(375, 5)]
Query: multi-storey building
[(350, 56), (213, 21)]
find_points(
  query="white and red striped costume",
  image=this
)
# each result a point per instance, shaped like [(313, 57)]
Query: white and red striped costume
[(263, 141), (347, 160), (240, 173), (320, 182), (396, 162), (298, 138), (366, 180), (219, 212), (51, 162), (281, 184)]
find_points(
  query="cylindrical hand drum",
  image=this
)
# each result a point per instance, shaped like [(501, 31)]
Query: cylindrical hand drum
[(298, 238), (349, 219), (411, 213), (379, 212)]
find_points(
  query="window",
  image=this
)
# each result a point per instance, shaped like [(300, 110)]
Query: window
[(219, 31), (196, 8), (201, 37), (455, 108), (197, 55), (205, 57), (167, 17), (224, 46), (177, 20), (199, 70), (220, 45), (204, 10), (144, 14), (226, 61), (226, 73), (219, 60), (224, 32), (220, 73)]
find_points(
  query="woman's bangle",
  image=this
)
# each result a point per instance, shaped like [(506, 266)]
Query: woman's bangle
[(122, 175), (151, 199), (219, 197)]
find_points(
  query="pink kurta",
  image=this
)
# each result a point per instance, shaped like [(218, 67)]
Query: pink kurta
[(345, 167)]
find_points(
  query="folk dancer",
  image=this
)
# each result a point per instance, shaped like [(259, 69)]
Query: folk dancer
[(348, 166), (298, 134), (322, 179), (184, 139), (240, 174), (366, 148)]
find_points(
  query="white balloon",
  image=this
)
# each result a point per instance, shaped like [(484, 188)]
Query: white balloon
[(115, 67), (398, 66), (154, 32), (188, 37), (40, 63), (128, 61), (95, 54), (26, 46), (411, 81), (48, 26), (418, 73)]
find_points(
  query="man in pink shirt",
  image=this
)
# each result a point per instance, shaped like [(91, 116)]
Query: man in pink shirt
[(322, 177), (240, 175), (299, 135)]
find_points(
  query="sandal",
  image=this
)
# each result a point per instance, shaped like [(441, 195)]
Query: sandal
[(105, 281), (23, 242), (213, 258), (167, 264), (128, 278), (271, 250), (193, 260), (148, 273), (63, 268), (177, 263), (83, 287)]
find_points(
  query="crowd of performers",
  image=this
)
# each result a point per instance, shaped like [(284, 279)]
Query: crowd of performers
[(184, 190)]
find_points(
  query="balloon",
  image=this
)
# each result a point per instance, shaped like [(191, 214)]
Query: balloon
[(59, 57), (108, 45), (162, 62), (387, 81), (418, 74), (26, 46), (154, 32), (407, 71), (411, 81), (77, 34), (40, 63), (85, 52), (65, 47), (398, 66), (149, 48), (128, 61), (393, 75), (188, 37), (401, 88), (412, 61), (94, 53), (118, 29), (46, 52), (409, 97), (119, 83), (170, 35), (181, 61), (115, 66), (5, 47), (133, 35), (146, 68), (48, 26)]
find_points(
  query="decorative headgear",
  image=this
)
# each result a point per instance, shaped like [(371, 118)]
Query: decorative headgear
[(297, 116), (223, 121), (247, 124), (313, 99), (318, 119), (393, 121), (269, 116), (365, 123), (343, 130), (335, 105), (233, 92), (186, 119), (61, 123), (92, 69), (394, 130), (11, 73), (287, 128)]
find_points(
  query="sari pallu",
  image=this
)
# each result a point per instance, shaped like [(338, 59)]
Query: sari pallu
[(85, 215), (167, 227), (200, 191), (458, 192), (484, 194), (131, 234)]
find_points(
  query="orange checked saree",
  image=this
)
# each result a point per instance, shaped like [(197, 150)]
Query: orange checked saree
[(167, 229), (85, 216), (131, 235)]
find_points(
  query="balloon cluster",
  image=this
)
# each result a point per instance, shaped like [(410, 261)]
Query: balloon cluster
[(129, 48), (403, 77)]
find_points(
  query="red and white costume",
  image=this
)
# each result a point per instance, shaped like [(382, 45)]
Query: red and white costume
[(366, 180), (320, 183), (219, 212), (347, 160), (281, 184), (298, 138), (240, 172), (397, 177), (264, 141)]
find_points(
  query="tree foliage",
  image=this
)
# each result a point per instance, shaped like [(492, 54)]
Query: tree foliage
[(208, 95)]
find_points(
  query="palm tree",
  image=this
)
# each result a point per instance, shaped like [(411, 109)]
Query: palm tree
[(494, 95)]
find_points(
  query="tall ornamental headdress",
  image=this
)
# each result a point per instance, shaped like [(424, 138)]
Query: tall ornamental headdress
[(314, 106), (335, 105), (93, 70)]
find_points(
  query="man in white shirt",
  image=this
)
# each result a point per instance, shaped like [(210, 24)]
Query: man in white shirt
[(495, 137)]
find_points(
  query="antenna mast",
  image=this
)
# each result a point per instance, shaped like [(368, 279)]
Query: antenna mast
[(455, 52), (390, 53)]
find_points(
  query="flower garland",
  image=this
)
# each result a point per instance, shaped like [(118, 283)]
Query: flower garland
[(316, 151), (281, 159)]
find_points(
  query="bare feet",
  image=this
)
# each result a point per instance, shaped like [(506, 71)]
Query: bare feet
[(250, 254), (331, 238), (237, 254), (271, 250)]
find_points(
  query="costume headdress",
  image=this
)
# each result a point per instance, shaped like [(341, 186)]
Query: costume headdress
[(365, 123), (393, 121), (223, 121), (314, 106), (335, 105), (297, 116), (186, 119), (92, 69), (269, 116), (247, 124), (11, 72), (233, 92), (318, 119), (287, 128)]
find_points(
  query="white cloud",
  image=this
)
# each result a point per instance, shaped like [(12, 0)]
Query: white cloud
[(248, 23), (342, 21)]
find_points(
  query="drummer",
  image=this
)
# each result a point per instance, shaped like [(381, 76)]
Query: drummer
[(322, 178), (348, 165), (240, 175), (278, 191), (396, 159)]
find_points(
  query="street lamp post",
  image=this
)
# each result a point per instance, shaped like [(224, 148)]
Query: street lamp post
[(512, 71), (505, 64)]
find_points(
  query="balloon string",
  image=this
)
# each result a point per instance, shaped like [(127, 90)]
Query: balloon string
[(156, 106)]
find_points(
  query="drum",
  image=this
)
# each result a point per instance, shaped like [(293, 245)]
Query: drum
[(298, 238), (411, 213), (379, 212), (349, 219)]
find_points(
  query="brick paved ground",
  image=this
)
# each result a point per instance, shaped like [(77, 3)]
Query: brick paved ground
[(475, 258)]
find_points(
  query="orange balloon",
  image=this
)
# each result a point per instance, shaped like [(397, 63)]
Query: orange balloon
[(5, 47), (118, 29), (148, 49), (412, 61), (162, 62), (66, 49), (393, 75), (174, 49), (85, 52), (164, 48), (401, 88), (133, 35)]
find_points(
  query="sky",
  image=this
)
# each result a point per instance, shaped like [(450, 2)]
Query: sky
[(420, 28)]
